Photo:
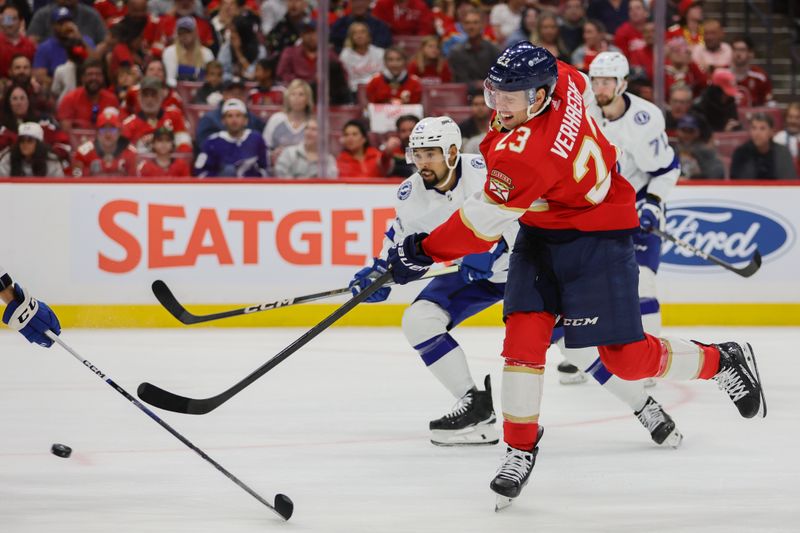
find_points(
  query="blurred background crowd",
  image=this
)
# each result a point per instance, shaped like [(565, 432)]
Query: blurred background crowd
[(213, 88)]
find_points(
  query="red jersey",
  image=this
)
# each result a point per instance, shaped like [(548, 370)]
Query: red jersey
[(643, 58), (24, 46), (381, 91), (172, 99), (695, 78), (178, 168), (556, 172), (755, 89), (110, 10), (431, 72), (138, 129), (76, 107), (369, 167), (414, 18), (261, 96), (89, 160), (677, 31), (628, 39)]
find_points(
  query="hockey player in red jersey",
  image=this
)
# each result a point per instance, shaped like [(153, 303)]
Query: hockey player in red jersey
[(550, 168)]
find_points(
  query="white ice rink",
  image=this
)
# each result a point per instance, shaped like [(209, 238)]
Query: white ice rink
[(341, 428)]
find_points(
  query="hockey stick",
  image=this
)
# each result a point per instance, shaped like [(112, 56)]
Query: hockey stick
[(746, 271), (180, 404), (283, 505), (168, 300)]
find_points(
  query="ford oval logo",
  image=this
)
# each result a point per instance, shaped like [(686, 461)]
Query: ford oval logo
[(730, 231)]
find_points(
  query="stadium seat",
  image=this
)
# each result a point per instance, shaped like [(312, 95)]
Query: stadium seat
[(444, 95), (458, 113), (338, 116), (187, 90), (775, 112), (726, 142), (409, 43)]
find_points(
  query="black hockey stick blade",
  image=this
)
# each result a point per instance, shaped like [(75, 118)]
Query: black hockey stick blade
[(752, 267), (284, 506), (746, 271), (168, 401)]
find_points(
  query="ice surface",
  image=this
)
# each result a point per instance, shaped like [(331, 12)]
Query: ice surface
[(341, 428)]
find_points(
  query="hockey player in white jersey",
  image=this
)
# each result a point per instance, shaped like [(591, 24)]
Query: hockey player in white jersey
[(647, 161), (445, 178)]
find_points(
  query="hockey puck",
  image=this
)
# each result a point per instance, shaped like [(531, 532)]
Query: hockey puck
[(61, 450)]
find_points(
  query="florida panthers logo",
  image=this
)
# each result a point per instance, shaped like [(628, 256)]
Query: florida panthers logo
[(500, 185)]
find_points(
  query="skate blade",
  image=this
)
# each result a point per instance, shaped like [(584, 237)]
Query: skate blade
[(472, 436), (501, 502), (750, 357), (572, 379), (673, 440)]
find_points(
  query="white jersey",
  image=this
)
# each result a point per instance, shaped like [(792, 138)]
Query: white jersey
[(647, 160), (421, 209)]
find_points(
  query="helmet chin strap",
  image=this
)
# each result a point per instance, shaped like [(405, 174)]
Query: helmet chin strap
[(446, 183), (531, 114)]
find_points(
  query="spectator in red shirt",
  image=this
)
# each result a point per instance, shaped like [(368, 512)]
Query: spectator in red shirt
[(429, 63), (405, 17), (755, 87), (642, 58), (163, 165), (266, 91), (155, 69), (108, 155), (139, 128), (690, 27), (12, 41), (300, 61), (81, 107), (629, 37), (679, 68), (394, 84), (358, 159)]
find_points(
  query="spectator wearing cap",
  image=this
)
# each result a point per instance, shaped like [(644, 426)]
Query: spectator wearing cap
[(287, 31), (680, 70), (714, 52), (139, 127), (469, 61), (187, 8), (12, 39), (212, 122), (163, 165), (109, 154), (690, 27), (236, 151), (698, 159), (755, 87), (300, 61), (240, 53), (360, 12), (718, 102), (29, 155), (394, 85), (154, 68), (81, 106), (287, 127), (629, 37), (612, 13), (761, 158), (186, 59), (87, 19), (358, 159), (573, 17), (302, 160), (360, 58), (405, 17), (790, 135), (53, 51)]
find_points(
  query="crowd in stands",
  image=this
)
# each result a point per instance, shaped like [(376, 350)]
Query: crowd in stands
[(226, 88)]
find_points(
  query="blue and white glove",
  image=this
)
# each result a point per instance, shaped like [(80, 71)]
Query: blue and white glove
[(31, 317), (364, 277), (407, 260), (651, 214), (475, 267)]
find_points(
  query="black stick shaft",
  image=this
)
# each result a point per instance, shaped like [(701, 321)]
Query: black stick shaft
[(745, 271), (280, 507)]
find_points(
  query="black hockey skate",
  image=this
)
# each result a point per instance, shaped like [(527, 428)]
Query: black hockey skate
[(569, 374), (470, 423), (513, 473), (738, 376), (660, 425)]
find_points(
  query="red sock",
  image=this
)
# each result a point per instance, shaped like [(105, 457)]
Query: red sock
[(711, 361), (520, 436)]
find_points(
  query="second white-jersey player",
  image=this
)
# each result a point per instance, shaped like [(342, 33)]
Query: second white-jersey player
[(445, 178), (649, 163)]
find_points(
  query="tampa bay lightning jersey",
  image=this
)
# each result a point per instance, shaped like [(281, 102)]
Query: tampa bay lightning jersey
[(647, 160), (223, 156), (420, 208)]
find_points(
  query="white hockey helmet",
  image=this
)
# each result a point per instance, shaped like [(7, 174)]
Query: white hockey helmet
[(611, 65), (435, 132)]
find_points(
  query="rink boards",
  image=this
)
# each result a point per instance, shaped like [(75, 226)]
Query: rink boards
[(92, 248)]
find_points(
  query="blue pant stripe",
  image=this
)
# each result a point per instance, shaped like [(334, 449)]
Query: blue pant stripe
[(599, 372), (648, 306), (434, 349)]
